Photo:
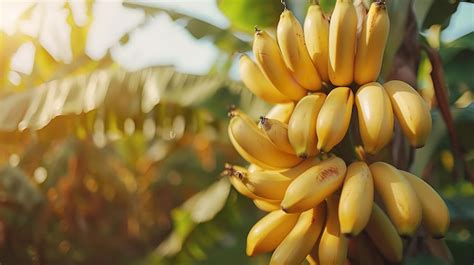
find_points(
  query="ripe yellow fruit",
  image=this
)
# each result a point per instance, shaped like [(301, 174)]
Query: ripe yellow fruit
[(334, 118), (342, 43), (384, 235), (333, 244), (231, 172), (301, 167), (266, 184), (434, 210), (281, 112), (270, 61), (371, 44), (375, 117), (291, 41), (267, 205), (277, 132), (398, 196), (257, 83), (357, 196), (299, 242), (316, 35), (314, 185), (269, 232), (255, 147), (302, 125), (411, 111)]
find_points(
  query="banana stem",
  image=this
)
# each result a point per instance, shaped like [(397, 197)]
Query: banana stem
[(439, 83)]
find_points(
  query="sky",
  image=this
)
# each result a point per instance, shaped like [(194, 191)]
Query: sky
[(159, 42)]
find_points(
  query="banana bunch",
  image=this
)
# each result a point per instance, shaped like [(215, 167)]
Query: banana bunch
[(340, 203), (321, 203)]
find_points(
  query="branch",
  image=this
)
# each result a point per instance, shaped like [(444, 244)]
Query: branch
[(437, 75)]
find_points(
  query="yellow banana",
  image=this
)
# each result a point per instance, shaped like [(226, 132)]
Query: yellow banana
[(342, 41), (299, 242), (254, 146), (301, 167), (411, 111), (267, 205), (334, 118), (257, 83), (302, 125), (434, 210), (384, 235), (269, 60), (398, 196), (230, 172), (266, 184), (371, 44), (293, 49), (277, 132), (288, 173), (333, 244), (281, 112), (316, 35), (363, 252), (314, 185), (269, 232), (375, 116), (264, 204), (355, 204)]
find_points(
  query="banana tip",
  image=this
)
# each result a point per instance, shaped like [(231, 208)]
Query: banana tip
[(228, 169), (381, 3), (350, 235), (232, 111), (262, 120), (303, 155), (406, 235)]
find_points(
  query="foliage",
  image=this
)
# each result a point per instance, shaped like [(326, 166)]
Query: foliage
[(99, 165)]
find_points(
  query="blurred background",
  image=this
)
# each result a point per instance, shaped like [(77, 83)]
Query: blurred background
[(113, 126)]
